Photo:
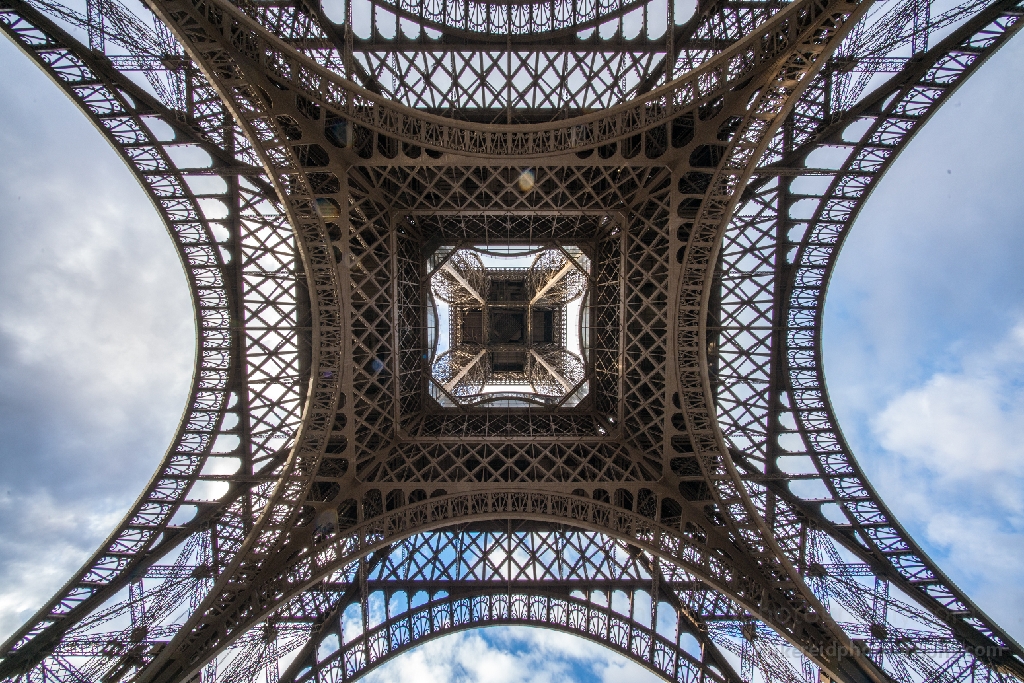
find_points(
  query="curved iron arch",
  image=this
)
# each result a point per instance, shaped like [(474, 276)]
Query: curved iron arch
[(792, 320), (784, 33), (905, 106), (453, 614), (228, 312), (253, 106), (116, 107), (701, 237), (446, 22), (313, 559), (535, 561)]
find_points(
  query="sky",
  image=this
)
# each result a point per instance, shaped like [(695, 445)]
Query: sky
[(924, 338), (924, 356)]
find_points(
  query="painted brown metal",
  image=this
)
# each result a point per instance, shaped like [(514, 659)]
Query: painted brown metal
[(668, 481)]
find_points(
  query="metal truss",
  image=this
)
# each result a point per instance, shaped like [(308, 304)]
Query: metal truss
[(772, 386), (698, 512), (576, 582), (240, 269)]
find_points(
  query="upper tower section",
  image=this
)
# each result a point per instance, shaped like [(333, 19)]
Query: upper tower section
[(517, 325)]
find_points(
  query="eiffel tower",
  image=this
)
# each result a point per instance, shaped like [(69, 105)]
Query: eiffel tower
[(509, 313)]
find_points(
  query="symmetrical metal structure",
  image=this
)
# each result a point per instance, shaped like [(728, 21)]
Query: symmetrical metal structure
[(507, 329), (327, 169)]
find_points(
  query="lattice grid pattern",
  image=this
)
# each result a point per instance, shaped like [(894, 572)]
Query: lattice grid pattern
[(675, 485)]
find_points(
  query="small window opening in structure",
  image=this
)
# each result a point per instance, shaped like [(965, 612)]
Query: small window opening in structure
[(508, 328)]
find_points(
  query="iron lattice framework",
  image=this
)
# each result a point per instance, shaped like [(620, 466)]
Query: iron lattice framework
[(320, 512), (507, 336)]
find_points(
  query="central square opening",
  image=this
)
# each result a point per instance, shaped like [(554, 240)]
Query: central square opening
[(508, 325)]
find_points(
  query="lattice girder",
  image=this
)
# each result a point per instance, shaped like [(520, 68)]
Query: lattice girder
[(753, 423), (255, 102), (639, 446), (474, 564)]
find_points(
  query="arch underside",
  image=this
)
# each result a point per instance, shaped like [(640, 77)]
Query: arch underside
[(446, 616), (556, 564), (374, 447), (555, 576), (291, 127)]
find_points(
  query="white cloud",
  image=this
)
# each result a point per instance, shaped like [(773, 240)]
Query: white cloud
[(32, 570), (932, 267), (922, 338), (954, 469), (96, 339), (510, 655), (966, 427)]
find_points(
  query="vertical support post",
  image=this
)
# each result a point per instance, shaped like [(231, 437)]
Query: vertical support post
[(364, 606), (670, 42), (137, 606), (778, 363), (210, 672), (922, 20), (655, 592), (272, 672), (880, 612), (349, 67), (802, 560), (190, 107), (508, 73), (396, 320), (94, 16), (234, 275)]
